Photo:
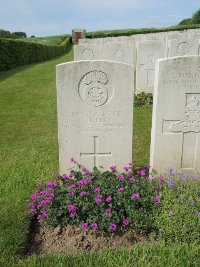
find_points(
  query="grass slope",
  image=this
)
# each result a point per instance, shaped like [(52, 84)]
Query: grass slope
[(29, 153), (48, 40)]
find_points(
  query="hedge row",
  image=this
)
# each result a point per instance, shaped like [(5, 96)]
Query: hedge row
[(14, 53), (128, 32)]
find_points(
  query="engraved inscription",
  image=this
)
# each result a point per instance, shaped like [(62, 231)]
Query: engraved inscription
[(95, 89), (189, 128), (95, 122), (87, 54), (192, 118), (183, 49)]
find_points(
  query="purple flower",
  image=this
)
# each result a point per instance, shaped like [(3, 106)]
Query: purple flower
[(148, 178), (108, 212), (161, 180), (131, 164), (31, 205), (148, 166), (71, 207), (142, 172), (125, 222), (72, 160), (84, 225), (126, 168), (71, 176), (170, 171), (65, 176), (88, 175), (120, 189), (97, 190), (94, 226), (131, 172), (39, 217), (89, 181), (113, 168), (99, 196), (132, 179), (53, 184), (84, 170), (112, 227), (73, 214), (121, 177), (170, 183), (109, 199), (83, 193), (136, 196), (81, 182), (72, 186), (45, 213), (157, 200), (197, 213), (98, 201), (31, 211)]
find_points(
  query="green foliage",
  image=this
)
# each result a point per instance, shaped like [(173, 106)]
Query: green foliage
[(185, 21), (6, 34), (20, 34), (106, 199), (14, 53), (128, 32), (48, 40), (143, 99), (178, 216), (196, 17)]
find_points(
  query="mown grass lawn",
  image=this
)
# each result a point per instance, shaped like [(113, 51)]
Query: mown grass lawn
[(29, 153)]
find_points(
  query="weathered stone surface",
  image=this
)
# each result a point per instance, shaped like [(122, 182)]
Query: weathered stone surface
[(183, 47), (175, 141), (147, 53), (120, 52), (95, 113)]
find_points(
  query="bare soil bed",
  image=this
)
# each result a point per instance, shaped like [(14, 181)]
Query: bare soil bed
[(72, 239)]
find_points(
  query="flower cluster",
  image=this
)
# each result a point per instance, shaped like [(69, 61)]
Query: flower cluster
[(105, 200)]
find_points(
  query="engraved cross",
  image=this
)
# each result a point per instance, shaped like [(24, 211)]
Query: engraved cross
[(149, 70), (95, 154)]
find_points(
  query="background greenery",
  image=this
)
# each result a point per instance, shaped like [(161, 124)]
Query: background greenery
[(15, 52)]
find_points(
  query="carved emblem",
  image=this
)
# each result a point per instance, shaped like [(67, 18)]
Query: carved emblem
[(192, 118), (93, 88), (87, 54), (183, 49), (118, 54)]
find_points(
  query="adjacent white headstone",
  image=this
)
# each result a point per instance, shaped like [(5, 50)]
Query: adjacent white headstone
[(120, 52), (183, 47), (175, 137), (147, 53), (95, 110)]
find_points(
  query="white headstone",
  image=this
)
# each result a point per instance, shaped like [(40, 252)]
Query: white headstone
[(120, 52), (95, 110), (147, 53), (175, 137), (183, 47), (86, 52)]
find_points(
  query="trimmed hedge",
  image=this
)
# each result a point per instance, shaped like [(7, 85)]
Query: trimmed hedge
[(128, 32), (14, 53)]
